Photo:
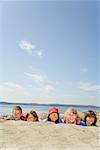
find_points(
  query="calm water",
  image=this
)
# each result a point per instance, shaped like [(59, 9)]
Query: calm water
[(5, 109)]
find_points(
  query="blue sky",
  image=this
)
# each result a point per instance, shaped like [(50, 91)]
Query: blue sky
[(49, 52)]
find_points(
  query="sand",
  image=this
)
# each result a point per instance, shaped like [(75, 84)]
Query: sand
[(21, 135)]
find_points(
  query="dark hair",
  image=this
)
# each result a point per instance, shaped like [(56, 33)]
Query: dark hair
[(57, 121), (34, 114), (17, 108), (90, 113)]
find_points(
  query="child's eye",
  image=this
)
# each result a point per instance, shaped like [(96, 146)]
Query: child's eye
[(74, 113)]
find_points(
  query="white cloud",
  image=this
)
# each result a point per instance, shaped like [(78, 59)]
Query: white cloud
[(44, 93), (27, 46), (12, 85), (14, 92), (49, 88), (43, 84), (89, 87), (37, 77)]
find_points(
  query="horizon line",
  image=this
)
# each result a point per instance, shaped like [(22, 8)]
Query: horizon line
[(47, 103)]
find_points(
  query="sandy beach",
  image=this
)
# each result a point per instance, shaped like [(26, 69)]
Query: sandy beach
[(21, 135)]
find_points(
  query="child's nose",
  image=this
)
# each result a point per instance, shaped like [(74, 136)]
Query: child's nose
[(91, 119), (16, 114), (71, 114)]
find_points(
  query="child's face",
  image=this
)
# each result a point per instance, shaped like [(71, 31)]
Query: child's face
[(90, 120), (53, 117), (16, 114), (71, 117), (31, 118)]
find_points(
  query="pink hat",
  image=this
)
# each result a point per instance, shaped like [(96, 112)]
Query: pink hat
[(53, 110)]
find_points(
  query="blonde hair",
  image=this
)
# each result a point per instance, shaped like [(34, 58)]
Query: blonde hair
[(71, 109)]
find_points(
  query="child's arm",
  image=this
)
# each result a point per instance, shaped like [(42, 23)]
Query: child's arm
[(8, 117)]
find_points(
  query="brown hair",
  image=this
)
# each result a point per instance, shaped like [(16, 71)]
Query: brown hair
[(57, 121), (90, 113), (33, 113), (17, 108)]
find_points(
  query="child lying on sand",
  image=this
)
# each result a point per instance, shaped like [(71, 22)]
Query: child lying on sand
[(16, 114), (90, 118), (71, 117), (53, 115), (32, 116)]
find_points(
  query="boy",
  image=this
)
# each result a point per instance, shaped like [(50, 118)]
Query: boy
[(16, 114)]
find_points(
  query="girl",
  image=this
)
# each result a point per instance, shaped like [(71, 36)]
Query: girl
[(32, 116), (71, 117), (53, 115), (90, 118)]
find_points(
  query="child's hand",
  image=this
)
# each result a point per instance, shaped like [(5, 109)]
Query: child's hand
[(6, 117)]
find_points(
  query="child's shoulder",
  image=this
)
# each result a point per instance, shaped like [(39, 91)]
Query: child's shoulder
[(95, 125), (44, 120), (60, 120), (63, 121), (82, 123)]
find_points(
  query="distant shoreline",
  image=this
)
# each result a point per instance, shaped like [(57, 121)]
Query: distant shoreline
[(68, 105)]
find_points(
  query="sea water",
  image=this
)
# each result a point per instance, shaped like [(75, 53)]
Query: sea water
[(5, 109)]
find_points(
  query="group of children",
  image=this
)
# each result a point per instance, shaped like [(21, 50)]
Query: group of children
[(70, 116)]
